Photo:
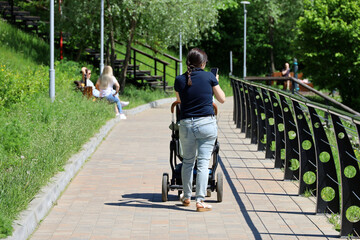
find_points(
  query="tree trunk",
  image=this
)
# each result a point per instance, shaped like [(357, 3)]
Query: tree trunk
[(111, 35), (81, 49), (127, 55), (271, 41)]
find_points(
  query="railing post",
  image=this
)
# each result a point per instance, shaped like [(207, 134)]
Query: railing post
[(232, 83), (326, 170), (270, 133), (242, 107), (247, 111), (260, 120), (291, 143), (350, 178), (279, 130), (155, 68), (253, 134), (134, 60), (164, 78), (307, 152)]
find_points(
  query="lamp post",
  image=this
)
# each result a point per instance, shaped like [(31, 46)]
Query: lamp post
[(52, 70), (245, 3), (180, 54), (102, 38)]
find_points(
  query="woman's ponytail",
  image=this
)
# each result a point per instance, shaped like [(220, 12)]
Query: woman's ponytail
[(189, 71), (195, 59)]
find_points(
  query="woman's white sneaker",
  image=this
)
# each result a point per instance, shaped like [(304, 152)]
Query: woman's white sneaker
[(124, 104), (122, 116)]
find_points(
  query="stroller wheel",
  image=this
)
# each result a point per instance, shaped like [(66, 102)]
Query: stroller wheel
[(165, 188), (219, 186)]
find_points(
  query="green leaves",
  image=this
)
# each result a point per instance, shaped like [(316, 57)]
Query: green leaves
[(330, 44)]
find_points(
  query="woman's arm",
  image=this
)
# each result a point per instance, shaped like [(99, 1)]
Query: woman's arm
[(219, 93), (177, 96), (97, 84), (117, 86)]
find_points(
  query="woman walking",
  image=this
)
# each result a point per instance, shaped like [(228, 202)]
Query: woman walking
[(198, 129)]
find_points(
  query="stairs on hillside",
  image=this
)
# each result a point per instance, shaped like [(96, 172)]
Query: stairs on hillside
[(137, 76), (22, 19)]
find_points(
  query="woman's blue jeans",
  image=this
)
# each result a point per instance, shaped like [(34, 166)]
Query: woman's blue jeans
[(197, 137), (115, 99)]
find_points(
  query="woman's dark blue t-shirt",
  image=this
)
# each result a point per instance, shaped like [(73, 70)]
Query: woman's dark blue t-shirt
[(197, 99)]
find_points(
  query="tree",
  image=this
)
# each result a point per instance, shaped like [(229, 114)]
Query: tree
[(81, 21), (158, 22), (270, 35), (329, 42)]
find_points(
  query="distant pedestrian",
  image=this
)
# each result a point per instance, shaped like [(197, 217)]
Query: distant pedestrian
[(286, 73)]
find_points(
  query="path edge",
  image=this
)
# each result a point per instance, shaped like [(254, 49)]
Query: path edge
[(42, 203)]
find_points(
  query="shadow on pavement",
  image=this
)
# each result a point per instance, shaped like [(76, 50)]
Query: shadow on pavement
[(148, 200)]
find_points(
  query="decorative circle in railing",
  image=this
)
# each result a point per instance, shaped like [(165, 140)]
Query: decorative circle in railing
[(327, 194), (350, 171), (266, 100), (341, 135), (306, 145), (300, 116), (292, 135), (353, 214), (294, 164), (309, 177), (286, 109), (317, 125), (275, 104), (281, 127), (263, 116), (324, 157), (271, 121), (257, 96)]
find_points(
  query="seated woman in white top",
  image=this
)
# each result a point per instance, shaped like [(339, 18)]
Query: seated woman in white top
[(106, 84)]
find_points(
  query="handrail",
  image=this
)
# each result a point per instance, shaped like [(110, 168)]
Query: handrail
[(154, 50), (304, 138), (307, 87), (149, 56)]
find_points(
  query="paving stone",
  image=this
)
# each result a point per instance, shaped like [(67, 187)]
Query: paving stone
[(117, 193)]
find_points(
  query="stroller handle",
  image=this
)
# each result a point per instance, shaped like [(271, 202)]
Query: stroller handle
[(178, 102)]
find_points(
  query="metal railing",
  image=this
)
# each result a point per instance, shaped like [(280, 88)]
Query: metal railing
[(316, 144)]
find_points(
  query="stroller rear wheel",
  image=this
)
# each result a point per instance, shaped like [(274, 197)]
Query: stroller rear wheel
[(165, 187), (219, 186)]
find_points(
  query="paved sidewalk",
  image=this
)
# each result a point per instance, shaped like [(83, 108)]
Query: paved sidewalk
[(117, 194)]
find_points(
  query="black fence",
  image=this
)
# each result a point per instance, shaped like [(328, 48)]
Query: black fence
[(315, 144)]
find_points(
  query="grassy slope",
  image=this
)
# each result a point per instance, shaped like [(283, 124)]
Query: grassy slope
[(37, 136)]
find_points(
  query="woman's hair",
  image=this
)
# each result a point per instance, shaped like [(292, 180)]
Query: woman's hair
[(195, 58), (108, 71), (105, 80)]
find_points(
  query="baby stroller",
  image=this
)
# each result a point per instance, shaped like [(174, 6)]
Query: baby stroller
[(175, 183)]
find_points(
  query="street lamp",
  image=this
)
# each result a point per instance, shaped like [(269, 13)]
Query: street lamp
[(180, 54), (102, 38), (52, 70), (245, 3)]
